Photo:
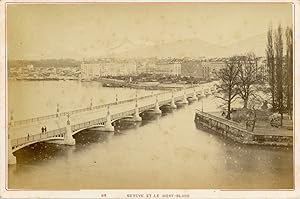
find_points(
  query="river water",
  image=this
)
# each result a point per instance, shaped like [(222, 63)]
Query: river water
[(165, 151)]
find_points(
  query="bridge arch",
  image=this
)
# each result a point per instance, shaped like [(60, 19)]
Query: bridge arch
[(88, 127), (21, 146), (125, 117)]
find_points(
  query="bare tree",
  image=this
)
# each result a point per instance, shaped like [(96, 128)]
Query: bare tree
[(247, 77), (271, 65), (278, 43), (289, 69), (227, 90)]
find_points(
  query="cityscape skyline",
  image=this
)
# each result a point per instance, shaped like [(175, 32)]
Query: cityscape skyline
[(78, 31)]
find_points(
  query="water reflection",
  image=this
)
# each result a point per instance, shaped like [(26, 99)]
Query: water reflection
[(39, 152), (88, 137)]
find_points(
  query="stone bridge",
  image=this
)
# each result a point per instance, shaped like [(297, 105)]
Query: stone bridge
[(63, 125)]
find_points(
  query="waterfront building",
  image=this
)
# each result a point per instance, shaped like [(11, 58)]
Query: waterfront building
[(192, 68), (148, 67), (204, 69), (162, 67), (172, 67), (88, 70), (101, 68), (212, 67)]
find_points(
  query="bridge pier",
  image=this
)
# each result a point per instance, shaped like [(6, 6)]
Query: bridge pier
[(194, 98), (184, 100), (214, 88), (136, 117), (173, 105), (68, 137), (209, 91), (202, 92), (108, 126), (11, 158), (156, 109)]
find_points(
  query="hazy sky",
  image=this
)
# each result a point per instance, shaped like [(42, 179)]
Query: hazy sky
[(81, 30)]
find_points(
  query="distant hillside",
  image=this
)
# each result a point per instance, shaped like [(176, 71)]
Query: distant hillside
[(183, 48), (256, 44), (195, 48)]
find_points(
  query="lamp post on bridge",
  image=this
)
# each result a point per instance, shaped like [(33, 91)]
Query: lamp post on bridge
[(68, 137), (156, 109), (173, 105), (68, 121), (108, 126), (184, 97), (91, 103), (195, 94), (11, 119), (11, 158), (57, 110), (136, 116), (117, 100), (136, 101)]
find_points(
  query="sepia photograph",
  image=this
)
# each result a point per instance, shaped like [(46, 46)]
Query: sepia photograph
[(148, 96)]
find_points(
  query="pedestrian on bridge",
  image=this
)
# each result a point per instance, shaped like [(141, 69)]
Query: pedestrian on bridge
[(28, 136), (43, 129)]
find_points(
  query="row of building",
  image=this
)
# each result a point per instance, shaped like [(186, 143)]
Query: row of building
[(203, 69), (92, 69)]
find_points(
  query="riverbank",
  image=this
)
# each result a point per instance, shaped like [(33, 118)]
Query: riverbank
[(263, 127), (152, 85), (237, 131)]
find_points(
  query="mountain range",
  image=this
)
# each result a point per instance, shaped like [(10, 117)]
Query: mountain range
[(188, 48)]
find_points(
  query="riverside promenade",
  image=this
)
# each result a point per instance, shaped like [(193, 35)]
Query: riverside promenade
[(238, 132)]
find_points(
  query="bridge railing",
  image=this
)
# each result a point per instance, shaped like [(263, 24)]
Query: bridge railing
[(87, 124), (36, 137), (240, 133), (163, 102), (27, 121), (226, 121), (122, 114), (143, 108)]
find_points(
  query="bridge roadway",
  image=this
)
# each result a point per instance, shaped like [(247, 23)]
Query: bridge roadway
[(61, 126)]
